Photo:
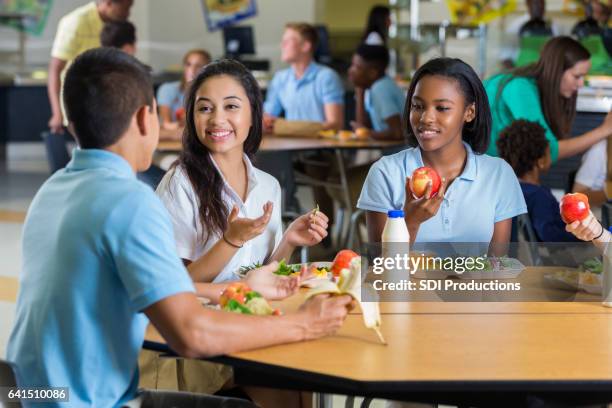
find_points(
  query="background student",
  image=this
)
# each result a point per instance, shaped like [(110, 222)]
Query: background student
[(377, 26), (545, 92), (83, 305), (524, 146), (171, 95), (77, 32), (591, 176), (379, 101), (306, 90), (119, 34)]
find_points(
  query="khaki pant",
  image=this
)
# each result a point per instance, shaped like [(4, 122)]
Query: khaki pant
[(167, 373)]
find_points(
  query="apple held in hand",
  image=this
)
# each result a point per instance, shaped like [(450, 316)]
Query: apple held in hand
[(574, 207), (420, 178)]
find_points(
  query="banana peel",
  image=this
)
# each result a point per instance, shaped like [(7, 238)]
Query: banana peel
[(349, 283)]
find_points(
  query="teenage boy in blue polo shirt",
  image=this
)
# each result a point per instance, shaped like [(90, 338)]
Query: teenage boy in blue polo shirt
[(379, 101), (99, 256), (305, 90)]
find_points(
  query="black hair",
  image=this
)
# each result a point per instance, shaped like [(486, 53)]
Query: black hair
[(476, 133), (375, 55), (195, 159), (103, 89), (117, 34), (377, 22), (522, 144)]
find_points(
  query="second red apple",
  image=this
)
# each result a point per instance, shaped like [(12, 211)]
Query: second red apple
[(574, 207), (420, 178)]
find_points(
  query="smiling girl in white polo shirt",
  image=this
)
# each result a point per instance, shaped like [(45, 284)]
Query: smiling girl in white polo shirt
[(227, 213), (449, 123)]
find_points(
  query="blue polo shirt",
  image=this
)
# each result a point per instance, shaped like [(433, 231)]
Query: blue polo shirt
[(383, 100), (98, 248), (304, 98), (487, 191), (171, 96)]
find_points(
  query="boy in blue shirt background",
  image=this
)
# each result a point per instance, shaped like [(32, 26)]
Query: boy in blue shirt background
[(99, 256), (379, 101)]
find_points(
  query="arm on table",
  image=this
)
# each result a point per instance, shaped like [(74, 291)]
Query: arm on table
[(334, 116), (596, 197), (54, 85), (193, 331)]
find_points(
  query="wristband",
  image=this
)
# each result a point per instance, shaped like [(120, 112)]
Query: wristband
[(601, 233), (234, 245)]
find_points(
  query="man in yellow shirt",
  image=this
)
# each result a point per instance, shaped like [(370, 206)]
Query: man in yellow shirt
[(78, 31)]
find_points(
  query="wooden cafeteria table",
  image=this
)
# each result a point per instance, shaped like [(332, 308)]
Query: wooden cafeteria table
[(492, 354)]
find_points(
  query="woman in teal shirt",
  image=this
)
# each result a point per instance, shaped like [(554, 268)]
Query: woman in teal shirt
[(545, 92)]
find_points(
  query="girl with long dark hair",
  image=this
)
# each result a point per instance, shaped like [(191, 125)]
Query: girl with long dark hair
[(226, 212), (377, 28), (545, 92)]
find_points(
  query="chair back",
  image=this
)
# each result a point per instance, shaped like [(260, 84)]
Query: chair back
[(8, 378)]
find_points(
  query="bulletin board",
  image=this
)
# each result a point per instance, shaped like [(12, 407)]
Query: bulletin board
[(474, 12), (221, 13), (37, 12)]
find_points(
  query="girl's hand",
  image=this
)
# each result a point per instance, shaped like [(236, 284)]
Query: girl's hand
[(270, 285), (307, 230), (587, 229), (241, 230), (419, 210), (607, 124)]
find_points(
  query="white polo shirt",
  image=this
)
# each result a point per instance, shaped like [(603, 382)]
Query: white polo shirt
[(592, 171), (179, 197)]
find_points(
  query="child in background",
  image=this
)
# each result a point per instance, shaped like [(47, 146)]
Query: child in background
[(379, 101), (170, 95), (524, 146), (119, 34), (450, 123)]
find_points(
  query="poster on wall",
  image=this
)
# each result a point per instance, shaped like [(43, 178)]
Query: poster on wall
[(222, 13), (474, 12), (34, 14)]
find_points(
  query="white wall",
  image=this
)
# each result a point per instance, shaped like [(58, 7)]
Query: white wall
[(166, 29)]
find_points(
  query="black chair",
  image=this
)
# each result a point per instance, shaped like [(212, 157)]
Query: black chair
[(8, 378), (606, 212), (525, 233), (56, 149), (163, 399)]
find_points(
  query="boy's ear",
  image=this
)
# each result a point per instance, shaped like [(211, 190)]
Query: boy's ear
[(470, 113), (141, 120)]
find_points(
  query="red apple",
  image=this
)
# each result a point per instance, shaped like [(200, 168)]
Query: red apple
[(574, 207), (236, 291), (420, 178), (180, 114), (342, 261)]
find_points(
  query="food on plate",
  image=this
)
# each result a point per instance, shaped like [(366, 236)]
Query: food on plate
[(180, 114), (593, 265), (362, 133), (345, 134), (574, 207), (239, 298), (329, 133), (342, 261), (243, 270), (288, 270), (420, 178)]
